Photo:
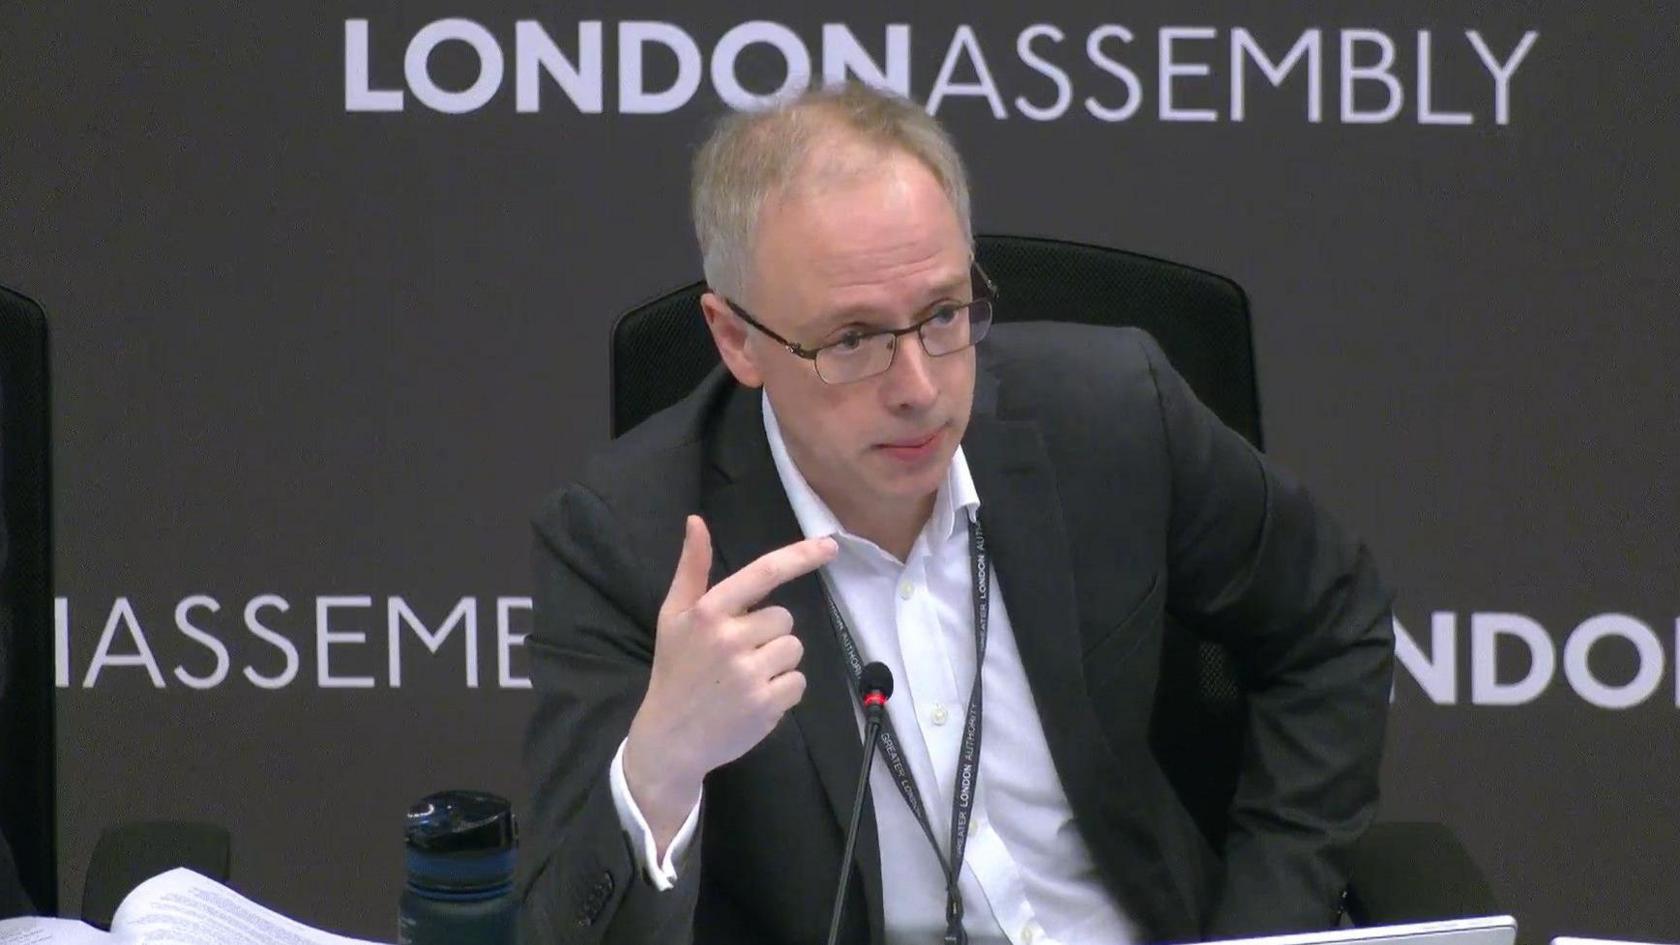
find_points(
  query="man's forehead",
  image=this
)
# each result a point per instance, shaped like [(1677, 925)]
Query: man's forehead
[(872, 232), (882, 243), (837, 158), (887, 264)]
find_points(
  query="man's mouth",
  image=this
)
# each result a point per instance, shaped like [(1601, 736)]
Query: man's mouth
[(911, 443), (914, 450)]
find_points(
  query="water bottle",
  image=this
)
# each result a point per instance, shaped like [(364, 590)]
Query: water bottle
[(459, 851)]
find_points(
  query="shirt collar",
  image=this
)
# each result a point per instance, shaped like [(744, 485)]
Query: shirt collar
[(956, 494)]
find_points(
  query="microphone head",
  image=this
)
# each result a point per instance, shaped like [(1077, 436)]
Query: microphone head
[(875, 678)]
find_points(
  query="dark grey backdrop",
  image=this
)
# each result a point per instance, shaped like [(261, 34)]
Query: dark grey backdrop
[(314, 353)]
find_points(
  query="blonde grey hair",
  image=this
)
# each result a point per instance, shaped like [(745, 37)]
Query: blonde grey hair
[(754, 155)]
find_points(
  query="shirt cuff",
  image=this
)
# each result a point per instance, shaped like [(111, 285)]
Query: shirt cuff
[(661, 873)]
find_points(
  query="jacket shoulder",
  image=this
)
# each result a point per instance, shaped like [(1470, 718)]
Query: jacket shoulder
[(1072, 368), (662, 454)]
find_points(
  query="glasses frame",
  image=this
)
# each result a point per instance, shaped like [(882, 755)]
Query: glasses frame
[(976, 274)]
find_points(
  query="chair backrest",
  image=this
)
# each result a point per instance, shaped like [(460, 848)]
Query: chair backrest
[(27, 752), (661, 350)]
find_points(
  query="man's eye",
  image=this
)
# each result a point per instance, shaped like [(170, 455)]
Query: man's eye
[(944, 316), (850, 341)]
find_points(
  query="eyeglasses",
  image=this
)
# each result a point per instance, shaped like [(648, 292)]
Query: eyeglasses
[(858, 355)]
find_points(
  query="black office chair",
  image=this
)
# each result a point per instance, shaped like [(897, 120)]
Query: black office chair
[(128, 853), (26, 602), (1403, 872)]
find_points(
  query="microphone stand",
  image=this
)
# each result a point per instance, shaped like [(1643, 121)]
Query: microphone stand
[(873, 705)]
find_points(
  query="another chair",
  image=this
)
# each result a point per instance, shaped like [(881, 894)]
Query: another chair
[(662, 349), (27, 788), (126, 853)]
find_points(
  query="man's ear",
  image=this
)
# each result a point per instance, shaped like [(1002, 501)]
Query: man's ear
[(729, 333)]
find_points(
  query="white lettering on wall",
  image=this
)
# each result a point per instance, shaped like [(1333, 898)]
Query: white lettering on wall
[(1379, 72), (1427, 115), (359, 94), (417, 68), (1186, 67), (795, 58), (507, 639), (844, 58), (259, 630), (399, 614), (536, 55), (326, 638), (634, 98), (1170, 68), (1309, 47), (206, 646), (122, 616), (217, 648), (1436, 673), (1579, 671), (1128, 78), (1502, 71), (964, 45), (1057, 76)]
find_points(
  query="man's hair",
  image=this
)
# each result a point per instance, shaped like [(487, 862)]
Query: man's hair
[(753, 156)]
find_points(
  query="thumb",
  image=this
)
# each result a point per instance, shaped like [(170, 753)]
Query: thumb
[(694, 568)]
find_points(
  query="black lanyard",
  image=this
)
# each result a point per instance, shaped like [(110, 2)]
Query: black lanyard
[(968, 759)]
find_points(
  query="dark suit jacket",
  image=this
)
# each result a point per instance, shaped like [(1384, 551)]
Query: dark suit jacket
[(1111, 498)]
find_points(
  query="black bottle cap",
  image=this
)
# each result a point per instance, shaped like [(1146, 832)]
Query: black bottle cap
[(460, 822)]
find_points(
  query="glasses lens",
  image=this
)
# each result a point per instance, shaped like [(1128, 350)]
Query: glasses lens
[(957, 328), (854, 360)]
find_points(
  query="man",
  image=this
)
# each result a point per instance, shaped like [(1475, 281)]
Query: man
[(1006, 526)]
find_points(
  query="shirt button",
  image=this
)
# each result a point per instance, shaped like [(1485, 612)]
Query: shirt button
[(940, 716), (906, 590), (1028, 933)]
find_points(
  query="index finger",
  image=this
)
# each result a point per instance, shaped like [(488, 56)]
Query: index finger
[(746, 587)]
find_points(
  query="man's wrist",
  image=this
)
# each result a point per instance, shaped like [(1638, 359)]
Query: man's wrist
[(663, 791), (658, 860)]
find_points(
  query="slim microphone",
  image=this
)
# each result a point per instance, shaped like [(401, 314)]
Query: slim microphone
[(875, 685)]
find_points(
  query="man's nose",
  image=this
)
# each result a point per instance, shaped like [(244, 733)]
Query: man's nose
[(910, 380)]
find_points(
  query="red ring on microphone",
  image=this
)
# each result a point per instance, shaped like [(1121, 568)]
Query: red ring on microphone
[(875, 698)]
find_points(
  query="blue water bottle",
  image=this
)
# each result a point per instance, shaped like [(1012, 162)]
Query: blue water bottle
[(460, 851)]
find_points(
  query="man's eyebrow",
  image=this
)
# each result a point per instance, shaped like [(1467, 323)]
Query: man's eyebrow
[(859, 314)]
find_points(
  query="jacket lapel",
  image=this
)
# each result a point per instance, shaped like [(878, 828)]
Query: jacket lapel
[(1021, 510), (749, 516)]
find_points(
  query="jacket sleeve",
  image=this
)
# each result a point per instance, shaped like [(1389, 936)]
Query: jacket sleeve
[(1257, 566), (591, 648)]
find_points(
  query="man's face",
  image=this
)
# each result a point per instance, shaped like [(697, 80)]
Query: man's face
[(860, 252)]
